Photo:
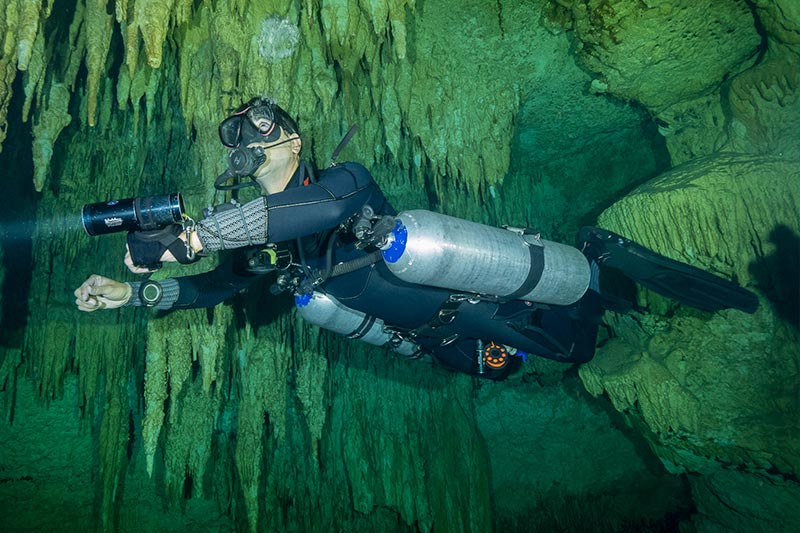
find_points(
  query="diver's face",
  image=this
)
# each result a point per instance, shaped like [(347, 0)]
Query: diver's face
[(283, 158)]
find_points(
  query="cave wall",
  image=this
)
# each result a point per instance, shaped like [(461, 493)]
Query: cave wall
[(540, 114), (716, 396)]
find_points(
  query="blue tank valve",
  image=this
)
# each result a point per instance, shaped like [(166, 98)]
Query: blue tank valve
[(301, 300), (397, 243)]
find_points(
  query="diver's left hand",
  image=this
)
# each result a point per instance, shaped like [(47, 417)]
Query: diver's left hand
[(99, 292)]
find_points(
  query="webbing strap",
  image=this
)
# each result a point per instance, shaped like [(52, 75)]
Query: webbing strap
[(534, 274), (363, 328), (445, 315)]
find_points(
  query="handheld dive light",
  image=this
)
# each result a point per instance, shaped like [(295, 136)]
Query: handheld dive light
[(145, 213)]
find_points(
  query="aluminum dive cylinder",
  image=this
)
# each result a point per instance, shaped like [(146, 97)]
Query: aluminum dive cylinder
[(429, 248), (327, 312)]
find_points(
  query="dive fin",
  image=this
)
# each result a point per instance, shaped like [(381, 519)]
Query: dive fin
[(684, 283)]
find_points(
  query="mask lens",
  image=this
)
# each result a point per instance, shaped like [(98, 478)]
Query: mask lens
[(230, 131), (263, 119)]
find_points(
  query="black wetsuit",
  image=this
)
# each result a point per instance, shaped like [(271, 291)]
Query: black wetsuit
[(304, 216)]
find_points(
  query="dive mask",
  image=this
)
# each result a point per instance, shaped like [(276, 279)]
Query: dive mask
[(252, 122)]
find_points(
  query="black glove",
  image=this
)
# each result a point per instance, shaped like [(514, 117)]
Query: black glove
[(147, 247)]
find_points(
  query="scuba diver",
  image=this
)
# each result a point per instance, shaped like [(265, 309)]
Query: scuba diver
[(473, 298)]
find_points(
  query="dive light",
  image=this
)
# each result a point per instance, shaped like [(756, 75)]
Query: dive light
[(144, 213)]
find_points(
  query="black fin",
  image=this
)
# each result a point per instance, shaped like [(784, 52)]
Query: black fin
[(687, 284)]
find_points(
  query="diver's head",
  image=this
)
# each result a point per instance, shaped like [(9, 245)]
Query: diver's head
[(264, 143)]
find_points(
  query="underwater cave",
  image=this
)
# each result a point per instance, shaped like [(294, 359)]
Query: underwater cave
[(673, 122)]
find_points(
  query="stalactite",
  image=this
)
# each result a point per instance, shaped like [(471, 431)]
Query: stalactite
[(34, 75), (52, 118), (30, 14), (174, 343), (310, 379), (112, 436), (151, 20), (209, 347), (123, 88), (138, 88), (310, 390), (130, 33), (155, 394), (98, 27), (171, 337), (262, 376), (21, 23), (188, 441), (152, 93), (76, 44), (153, 17)]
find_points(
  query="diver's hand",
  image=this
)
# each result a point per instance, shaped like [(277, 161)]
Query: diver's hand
[(137, 269), (146, 251), (98, 292)]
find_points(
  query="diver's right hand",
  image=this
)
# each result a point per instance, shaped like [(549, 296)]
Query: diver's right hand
[(148, 250), (98, 292), (128, 260)]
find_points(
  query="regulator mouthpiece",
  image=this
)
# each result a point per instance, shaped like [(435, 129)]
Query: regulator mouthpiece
[(145, 213), (241, 162)]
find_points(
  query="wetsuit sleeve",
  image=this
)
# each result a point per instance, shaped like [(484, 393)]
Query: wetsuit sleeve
[(214, 287), (203, 290), (296, 212)]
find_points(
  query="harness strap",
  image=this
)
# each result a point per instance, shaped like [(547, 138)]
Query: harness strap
[(447, 312)]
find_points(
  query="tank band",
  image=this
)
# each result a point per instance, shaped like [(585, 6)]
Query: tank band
[(362, 328), (534, 274)]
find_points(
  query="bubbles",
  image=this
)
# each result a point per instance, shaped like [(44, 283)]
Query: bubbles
[(278, 38)]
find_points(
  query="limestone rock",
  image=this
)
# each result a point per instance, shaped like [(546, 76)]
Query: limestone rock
[(716, 212), (781, 19), (550, 449), (750, 503), (713, 391), (662, 52), (765, 107)]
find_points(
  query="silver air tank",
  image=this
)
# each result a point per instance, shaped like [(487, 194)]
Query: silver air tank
[(327, 312), (429, 248)]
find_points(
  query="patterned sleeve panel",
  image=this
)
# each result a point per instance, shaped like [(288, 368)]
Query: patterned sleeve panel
[(235, 226)]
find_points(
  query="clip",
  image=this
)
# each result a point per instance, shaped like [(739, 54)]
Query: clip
[(189, 227)]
